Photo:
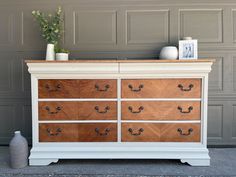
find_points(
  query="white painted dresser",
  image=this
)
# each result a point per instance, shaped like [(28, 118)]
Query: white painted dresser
[(119, 109)]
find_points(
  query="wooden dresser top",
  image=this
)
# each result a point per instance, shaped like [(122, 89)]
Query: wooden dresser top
[(122, 61)]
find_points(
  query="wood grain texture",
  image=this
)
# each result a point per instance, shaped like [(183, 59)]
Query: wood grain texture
[(48, 110), (86, 132), (170, 133), (92, 110), (161, 88), (151, 132), (166, 132), (161, 110), (95, 110), (84, 88), (106, 132), (121, 61), (48, 132)]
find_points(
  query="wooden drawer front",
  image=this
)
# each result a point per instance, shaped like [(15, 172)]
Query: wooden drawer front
[(95, 110), (86, 132), (160, 110), (166, 132), (98, 132), (91, 110), (161, 88), (140, 132), (58, 132), (86, 88), (58, 110), (180, 132)]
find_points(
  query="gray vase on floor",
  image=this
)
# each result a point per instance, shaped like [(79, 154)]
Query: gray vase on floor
[(18, 151)]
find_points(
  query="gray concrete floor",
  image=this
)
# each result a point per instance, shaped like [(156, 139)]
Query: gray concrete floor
[(223, 163)]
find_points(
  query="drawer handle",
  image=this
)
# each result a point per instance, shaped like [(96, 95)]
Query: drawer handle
[(107, 130), (53, 112), (185, 134), (136, 134), (102, 112), (140, 109), (185, 89), (102, 90), (57, 88), (190, 108), (136, 90), (56, 133)]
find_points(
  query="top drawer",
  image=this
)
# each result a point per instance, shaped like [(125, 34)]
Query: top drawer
[(161, 88), (72, 88)]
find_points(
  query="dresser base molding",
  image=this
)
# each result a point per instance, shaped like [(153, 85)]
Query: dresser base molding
[(196, 162), (45, 155)]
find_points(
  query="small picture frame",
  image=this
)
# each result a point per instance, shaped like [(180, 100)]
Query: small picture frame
[(188, 49)]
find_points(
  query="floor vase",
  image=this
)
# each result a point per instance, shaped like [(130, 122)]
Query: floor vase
[(18, 151)]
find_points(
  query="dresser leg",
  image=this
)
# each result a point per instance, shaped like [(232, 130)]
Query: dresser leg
[(196, 162), (41, 162)]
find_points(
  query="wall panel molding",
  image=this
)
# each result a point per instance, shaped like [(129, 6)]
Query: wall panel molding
[(6, 73), (234, 73), (95, 27), (215, 122), (202, 24), (7, 33), (7, 112), (234, 122), (147, 26)]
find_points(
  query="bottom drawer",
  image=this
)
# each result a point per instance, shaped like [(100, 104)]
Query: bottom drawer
[(165, 132), (86, 132)]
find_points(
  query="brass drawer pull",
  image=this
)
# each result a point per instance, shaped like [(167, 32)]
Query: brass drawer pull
[(107, 130), (140, 109), (102, 112), (136, 90), (53, 112), (185, 134), (136, 134), (185, 89), (102, 90), (57, 88), (56, 133), (190, 108)]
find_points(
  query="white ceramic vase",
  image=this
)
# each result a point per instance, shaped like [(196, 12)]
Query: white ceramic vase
[(62, 56), (50, 54), (18, 151), (169, 53)]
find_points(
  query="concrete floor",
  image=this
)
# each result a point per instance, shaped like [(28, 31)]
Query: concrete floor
[(223, 163)]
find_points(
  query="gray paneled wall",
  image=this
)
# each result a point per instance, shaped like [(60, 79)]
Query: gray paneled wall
[(120, 29)]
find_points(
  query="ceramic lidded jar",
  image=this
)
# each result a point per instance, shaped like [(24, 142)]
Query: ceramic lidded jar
[(18, 151), (169, 53)]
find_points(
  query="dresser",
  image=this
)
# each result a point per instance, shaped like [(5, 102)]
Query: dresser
[(119, 109)]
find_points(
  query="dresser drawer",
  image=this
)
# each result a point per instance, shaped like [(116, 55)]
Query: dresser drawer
[(161, 110), (84, 88), (161, 88), (84, 132), (98, 132), (85, 110), (165, 132), (58, 132)]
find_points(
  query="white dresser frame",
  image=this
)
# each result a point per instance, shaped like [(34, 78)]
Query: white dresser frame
[(195, 154)]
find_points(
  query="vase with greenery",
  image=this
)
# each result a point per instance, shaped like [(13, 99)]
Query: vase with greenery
[(51, 28)]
